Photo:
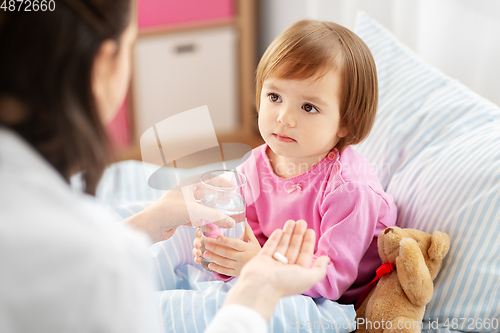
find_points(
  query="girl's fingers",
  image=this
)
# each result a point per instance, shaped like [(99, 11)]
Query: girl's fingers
[(307, 250), (236, 244), (196, 252), (221, 269), (249, 235), (296, 241), (223, 251), (197, 242), (221, 261), (285, 238)]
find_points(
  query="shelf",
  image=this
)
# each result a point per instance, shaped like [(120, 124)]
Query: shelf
[(244, 21), (187, 26)]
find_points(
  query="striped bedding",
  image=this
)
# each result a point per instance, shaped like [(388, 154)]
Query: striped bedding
[(188, 296), (436, 147)]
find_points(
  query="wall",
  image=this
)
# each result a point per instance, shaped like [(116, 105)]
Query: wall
[(460, 37)]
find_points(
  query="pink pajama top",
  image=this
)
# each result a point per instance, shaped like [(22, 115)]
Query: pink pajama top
[(341, 199)]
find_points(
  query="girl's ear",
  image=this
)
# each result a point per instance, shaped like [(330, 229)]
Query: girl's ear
[(342, 132)]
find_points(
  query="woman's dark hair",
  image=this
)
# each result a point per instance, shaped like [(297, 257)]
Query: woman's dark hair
[(45, 66)]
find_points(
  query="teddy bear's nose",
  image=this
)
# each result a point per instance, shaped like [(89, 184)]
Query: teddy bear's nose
[(388, 230)]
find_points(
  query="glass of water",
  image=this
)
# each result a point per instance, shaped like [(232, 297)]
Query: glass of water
[(222, 190)]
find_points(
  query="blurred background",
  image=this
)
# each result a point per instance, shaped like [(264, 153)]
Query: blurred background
[(191, 53)]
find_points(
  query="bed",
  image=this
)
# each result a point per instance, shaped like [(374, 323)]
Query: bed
[(435, 146)]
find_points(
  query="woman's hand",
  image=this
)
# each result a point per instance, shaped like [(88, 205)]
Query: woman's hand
[(264, 280), (228, 255), (175, 208)]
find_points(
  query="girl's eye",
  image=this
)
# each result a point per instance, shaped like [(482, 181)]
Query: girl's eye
[(309, 108), (274, 98)]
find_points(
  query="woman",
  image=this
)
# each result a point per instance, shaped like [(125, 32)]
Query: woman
[(65, 265)]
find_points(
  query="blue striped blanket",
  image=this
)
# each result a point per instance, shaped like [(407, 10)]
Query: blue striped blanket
[(188, 295)]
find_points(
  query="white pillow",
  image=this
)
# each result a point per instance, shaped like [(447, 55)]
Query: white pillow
[(436, 148)]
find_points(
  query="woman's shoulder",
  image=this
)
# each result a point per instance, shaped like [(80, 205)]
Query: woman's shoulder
[(41, 208)]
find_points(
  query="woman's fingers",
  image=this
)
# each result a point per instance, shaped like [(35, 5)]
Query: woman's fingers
[(279, 239), (321, 262), (200, 189), (296, 241), (307, 249), (272, 243), (191, 191), (285, 238), (304, 278), (318, 270), (198, 212)]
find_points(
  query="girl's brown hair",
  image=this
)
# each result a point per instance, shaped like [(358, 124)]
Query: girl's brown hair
[(45, 86), (311, 48)]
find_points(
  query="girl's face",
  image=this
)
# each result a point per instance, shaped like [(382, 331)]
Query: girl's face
[(300, 119)]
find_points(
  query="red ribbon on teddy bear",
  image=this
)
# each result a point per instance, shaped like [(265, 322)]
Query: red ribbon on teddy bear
[(381, 271)]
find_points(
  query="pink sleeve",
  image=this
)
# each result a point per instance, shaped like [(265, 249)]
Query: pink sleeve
[(223, 277), (349, 218), (252, 192)]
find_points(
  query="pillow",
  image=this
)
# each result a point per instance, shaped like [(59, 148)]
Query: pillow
[(436, 148)]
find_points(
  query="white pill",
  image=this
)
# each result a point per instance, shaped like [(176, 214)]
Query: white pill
[(281, 258)]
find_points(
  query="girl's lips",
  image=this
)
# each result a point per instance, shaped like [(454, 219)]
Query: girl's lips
[(283, 138)]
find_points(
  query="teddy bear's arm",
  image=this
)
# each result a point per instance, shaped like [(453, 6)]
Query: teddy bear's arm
[(413, 273)]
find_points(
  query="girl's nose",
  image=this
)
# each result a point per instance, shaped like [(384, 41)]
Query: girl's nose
[(285, 118)]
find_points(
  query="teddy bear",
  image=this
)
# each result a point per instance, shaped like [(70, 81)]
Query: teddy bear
[(397, 301)]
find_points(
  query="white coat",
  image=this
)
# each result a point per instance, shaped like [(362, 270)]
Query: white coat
[(66, 264)]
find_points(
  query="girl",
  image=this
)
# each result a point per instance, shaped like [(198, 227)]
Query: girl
[(316, 96)]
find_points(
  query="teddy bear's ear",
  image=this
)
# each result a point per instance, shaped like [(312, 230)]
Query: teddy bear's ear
[(440, 244)]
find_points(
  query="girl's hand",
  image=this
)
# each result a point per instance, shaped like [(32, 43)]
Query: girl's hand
[(197, 247), (228, 255)]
